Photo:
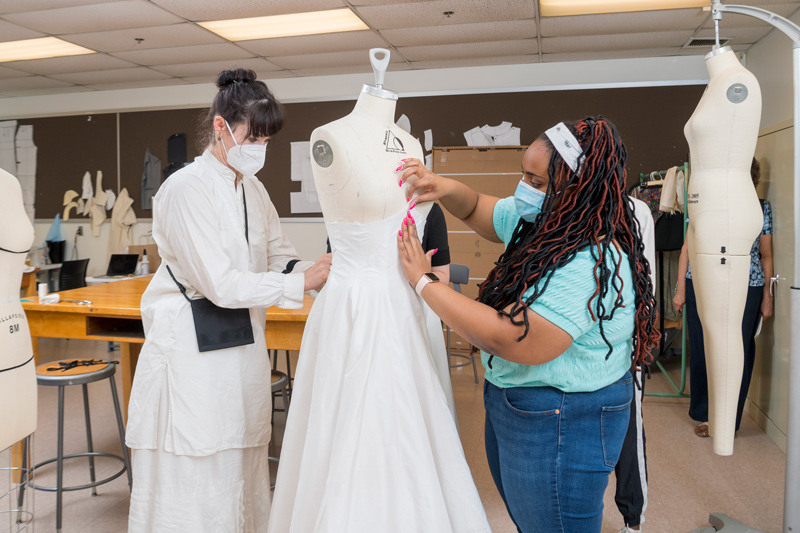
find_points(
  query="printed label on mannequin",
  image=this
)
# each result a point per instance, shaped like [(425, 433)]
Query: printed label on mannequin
[(13, 328), (323, 153), (694, 197), (393, 144), (737, 93), (12, 316)]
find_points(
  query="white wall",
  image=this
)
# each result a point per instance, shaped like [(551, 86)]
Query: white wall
[(771, 62)]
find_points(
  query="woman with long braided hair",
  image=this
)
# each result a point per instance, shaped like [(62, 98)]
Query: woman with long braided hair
[(560, 320)]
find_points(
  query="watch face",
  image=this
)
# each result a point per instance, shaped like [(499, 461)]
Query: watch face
[(431, 276)]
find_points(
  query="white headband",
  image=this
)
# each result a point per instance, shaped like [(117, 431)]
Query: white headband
[(567, 145)]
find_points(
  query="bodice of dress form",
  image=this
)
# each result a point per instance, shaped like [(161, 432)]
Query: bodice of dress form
[(722, 134), (17, 379), (353, 161)]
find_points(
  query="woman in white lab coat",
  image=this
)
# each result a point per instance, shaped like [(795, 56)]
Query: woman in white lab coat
[(199, 422)]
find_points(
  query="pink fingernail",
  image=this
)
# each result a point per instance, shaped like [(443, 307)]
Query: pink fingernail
[(399, 168), (408, 198), (413, 205), (400, 233), (412, 219), (404, 160), (435, 250), (400, 184)]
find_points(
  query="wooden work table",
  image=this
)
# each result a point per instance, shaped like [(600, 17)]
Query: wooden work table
[(114, 315)]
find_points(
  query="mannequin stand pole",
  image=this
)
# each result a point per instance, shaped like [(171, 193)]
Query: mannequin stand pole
[(791, 511)]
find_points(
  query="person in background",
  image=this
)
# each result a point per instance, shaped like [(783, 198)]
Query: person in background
[(561, 318), (631, 470), (199, 423), (757, 306)]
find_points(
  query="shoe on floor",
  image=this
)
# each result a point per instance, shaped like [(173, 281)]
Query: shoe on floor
[(626, 529), (701, 430)]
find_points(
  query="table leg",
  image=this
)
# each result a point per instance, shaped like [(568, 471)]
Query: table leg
[(16, 459), (35, 346), (129, 355)]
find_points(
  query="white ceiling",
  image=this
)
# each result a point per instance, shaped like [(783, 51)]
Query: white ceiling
[(174, 50)]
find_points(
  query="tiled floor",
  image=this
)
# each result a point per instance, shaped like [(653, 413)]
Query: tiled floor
[(687, 481)]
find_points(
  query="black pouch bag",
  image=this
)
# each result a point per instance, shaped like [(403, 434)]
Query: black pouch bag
[(219, 327)]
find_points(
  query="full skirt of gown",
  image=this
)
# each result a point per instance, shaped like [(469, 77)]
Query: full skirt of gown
[(370, 442)]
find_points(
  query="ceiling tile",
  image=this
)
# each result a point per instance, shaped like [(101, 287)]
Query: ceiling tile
[(747, 35), (477, 62), (210, 69), (185, 54), (469, 50), (639, 22), (461, 33), (310, 44), (12, 73), (195, 10), (111, 76), (329, 60), (266, 77), (40, 92), (17, 6), (12, 32), (424, 14), (185, 34), (30, 83), (135, 84), (71, 64), (626, 41), (98, 17), (736, 20)]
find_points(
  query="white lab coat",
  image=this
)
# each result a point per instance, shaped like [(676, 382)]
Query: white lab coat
[(213, 403)]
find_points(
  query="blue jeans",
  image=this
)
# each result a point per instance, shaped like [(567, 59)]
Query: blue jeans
[(550, 452)]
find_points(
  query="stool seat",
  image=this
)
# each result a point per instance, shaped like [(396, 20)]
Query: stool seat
[(74, 372), (279, 380)]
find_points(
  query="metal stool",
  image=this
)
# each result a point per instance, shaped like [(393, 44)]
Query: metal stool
[(79, 372), (459, 275), (280, 383), (274, 356)]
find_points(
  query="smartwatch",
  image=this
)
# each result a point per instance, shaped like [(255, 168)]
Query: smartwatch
[(428, 277)]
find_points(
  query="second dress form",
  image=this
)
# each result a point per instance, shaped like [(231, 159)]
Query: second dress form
[(17, 367), (724, 219)]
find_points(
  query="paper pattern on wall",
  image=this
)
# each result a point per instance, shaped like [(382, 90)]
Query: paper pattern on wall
[(305, 201), (8, 156), (26, 167)]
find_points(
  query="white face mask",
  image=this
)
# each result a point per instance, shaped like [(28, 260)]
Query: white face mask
[(246, 158)]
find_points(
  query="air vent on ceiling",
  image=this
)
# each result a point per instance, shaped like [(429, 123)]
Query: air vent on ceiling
[(704, 42)]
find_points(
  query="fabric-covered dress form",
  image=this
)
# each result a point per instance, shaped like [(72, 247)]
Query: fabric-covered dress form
[(370, 444)]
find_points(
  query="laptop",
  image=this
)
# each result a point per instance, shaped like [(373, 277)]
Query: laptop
[(121, 266)]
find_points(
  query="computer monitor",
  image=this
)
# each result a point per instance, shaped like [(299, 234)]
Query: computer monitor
[(122, 264)]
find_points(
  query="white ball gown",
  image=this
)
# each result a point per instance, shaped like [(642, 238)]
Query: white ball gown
[(370, 443)]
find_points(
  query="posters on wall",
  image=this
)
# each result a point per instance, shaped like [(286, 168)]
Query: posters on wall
[(305, 201), (18, 157)]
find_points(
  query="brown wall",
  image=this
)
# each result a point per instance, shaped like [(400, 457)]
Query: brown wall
[(650, 121)]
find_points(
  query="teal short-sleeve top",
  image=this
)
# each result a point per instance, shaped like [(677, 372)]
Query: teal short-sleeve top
[(583, 367)]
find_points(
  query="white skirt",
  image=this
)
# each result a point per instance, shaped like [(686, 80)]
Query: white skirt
[(227, 492)]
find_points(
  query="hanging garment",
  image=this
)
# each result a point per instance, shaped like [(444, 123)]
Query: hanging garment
[(502, 135), (670, 201), (26, 168), (652, 197), (97, 210), (199, 424), (370, 444), (111, 198), (123, 219), (8, 146), (151, 179), (87, 190)]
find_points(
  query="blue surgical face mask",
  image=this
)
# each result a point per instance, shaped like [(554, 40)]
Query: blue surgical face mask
[(528, 201)]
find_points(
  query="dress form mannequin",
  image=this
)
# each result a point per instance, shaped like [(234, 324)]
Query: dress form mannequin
[(354, 157), (725, 219), (17, 368)]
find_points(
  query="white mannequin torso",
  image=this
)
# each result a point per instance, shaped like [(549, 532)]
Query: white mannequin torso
[(353, 160), (724, 219), (17, 379)]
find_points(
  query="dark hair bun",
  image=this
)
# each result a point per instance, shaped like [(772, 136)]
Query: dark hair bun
[(227, 78)]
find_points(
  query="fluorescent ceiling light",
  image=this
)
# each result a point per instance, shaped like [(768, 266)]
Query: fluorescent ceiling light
[(315, 22), (39, 49), (559, 8)]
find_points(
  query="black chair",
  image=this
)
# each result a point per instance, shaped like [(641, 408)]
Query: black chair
[(72, 274), (459, 275)]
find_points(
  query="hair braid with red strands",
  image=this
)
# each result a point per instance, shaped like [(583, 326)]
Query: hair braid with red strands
[(589, 207)]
